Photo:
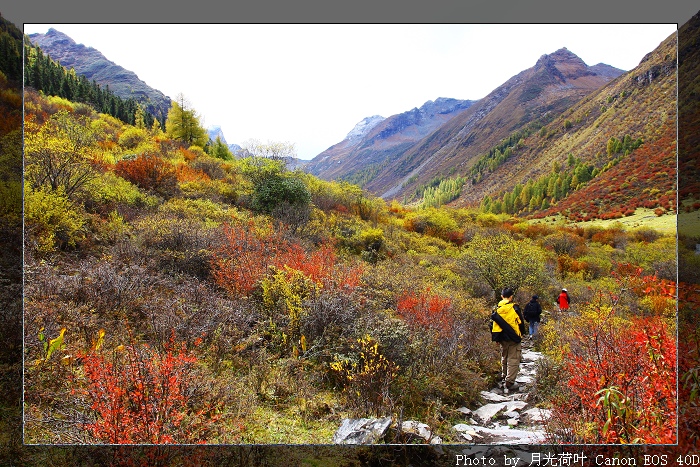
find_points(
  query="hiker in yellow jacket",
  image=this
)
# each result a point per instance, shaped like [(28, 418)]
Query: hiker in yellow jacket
[(507, 330)]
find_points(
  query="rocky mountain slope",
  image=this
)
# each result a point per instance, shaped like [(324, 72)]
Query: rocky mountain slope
[(556, 82), (637, 106), (376, 142), (90, 63)]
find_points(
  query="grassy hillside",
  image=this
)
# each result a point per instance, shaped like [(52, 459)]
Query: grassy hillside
[(639, 108)]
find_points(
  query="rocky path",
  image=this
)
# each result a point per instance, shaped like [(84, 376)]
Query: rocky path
[(506, 417)]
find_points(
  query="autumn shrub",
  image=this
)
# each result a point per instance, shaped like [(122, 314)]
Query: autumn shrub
[(491, 259), (365, 375), (566, 265), (95, 294), (110, 229), (203, 209), (384, 282), (565, 243), (49, 380), (177, 242), (598, 261), (210, 166), (615, 237), (426, 310), (58, 154), (108, 191), (132, 137), (141, 395), (491, 220), (284, 292), (330, 319), (656, 258), (327, 195), (150, 172), (625, 385), (368, 243), (450, 369), (242, 260), (108, 293), (392, 333), (185, 173), (546, 386), (273, 192), (220, 191), (431, 221), (247, 252), (619, 378), (52, 221)]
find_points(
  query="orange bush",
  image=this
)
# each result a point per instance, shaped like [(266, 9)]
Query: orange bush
[(141, 395), (625, 383), (426, 310), (247, 254), (185, 173), (150, 172)]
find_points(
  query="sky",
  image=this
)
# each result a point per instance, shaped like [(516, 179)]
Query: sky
[(310, 84)]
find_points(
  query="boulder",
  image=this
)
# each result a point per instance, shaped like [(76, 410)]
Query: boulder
[(465, 411), (362, 431), (417, 428), (493, 397), (487, 412)]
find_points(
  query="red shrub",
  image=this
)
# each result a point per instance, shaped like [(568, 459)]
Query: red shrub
[(149, 172), (635, 370), (185, 173), (247, 254), (426, 310), (140, 395)]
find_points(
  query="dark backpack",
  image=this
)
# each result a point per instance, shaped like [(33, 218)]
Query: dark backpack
[(531, 311)]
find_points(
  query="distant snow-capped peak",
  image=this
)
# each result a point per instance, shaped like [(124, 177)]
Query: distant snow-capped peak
[(364, 127)]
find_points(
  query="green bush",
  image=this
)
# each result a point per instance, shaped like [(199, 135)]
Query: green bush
[(202, 209), (275, 191), (108, 188), (51, 219), (132, 137)]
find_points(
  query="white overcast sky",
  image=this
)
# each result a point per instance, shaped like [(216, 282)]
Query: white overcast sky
[(309, 84)]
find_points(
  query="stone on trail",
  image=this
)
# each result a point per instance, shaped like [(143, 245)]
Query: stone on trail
[(493, 397), (464, 410), (538, 415), (487, 412), (516, 405), (417, 428), (362, 431), (501, 435), (530, 356)]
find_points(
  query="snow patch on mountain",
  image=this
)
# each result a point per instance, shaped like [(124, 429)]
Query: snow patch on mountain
[(364, 127)]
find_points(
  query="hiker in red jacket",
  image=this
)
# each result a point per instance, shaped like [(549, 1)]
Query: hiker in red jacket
[(563, 301)]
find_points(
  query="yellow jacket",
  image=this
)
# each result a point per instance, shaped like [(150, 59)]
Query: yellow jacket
[(507, 314)]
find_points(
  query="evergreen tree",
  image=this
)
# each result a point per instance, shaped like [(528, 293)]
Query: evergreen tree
[(183, 123), (219, 150)]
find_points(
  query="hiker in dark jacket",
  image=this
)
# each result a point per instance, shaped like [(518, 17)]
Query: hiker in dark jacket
[(532, 314), (507, 331)]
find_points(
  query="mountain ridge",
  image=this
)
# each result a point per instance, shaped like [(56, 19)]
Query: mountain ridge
[(385, 139), (556, 81), (92, 64)]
